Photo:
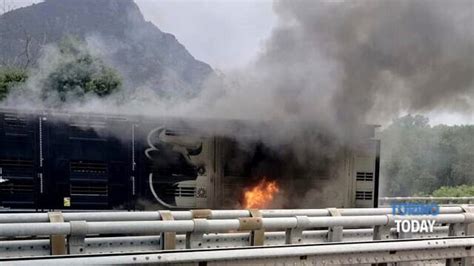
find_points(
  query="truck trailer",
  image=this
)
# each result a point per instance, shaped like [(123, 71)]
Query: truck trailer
[(62, 160)]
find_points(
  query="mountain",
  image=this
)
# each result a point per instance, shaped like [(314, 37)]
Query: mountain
[(116, 30)]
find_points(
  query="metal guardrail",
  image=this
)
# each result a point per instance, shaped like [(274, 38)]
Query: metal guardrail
[(209, 214), (214, 226), (454, 251), (120, 244), (40, 234)]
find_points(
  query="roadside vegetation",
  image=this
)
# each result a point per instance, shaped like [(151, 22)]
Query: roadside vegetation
[(419, 159), (72, 73), (459, 191), (9, 78)]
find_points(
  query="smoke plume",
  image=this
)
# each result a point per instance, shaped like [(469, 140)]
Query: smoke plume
[(386, 56), (335, 62)]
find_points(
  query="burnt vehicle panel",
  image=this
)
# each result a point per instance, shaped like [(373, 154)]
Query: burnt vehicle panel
[(51, 160)]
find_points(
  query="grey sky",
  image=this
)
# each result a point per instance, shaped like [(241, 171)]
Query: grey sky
[(224, 34), (7, 5)]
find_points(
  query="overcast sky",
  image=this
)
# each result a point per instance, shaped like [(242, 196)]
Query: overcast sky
[(226, 34), (223, 33)]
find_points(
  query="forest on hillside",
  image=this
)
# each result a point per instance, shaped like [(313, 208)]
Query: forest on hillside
[(419, 159)]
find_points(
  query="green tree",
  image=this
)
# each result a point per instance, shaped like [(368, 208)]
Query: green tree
[(459, 191), (79, 73), (407, 148), (9, 78), (418, 159), (456, 155)]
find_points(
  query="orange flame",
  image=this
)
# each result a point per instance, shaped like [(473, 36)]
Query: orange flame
[(261, 195)]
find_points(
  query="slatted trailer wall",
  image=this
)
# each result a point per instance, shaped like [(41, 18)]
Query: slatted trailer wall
[(19, 160), (88, 161)]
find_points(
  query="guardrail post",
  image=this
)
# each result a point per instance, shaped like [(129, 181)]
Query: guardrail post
[(335, 233), (382, 232), (295, 235), (168, 239), (57, 243), (76, 240), (195, 239), (257, 237), (255, 226), (462, 229)]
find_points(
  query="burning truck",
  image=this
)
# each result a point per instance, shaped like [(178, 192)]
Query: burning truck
[(60, 160)]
